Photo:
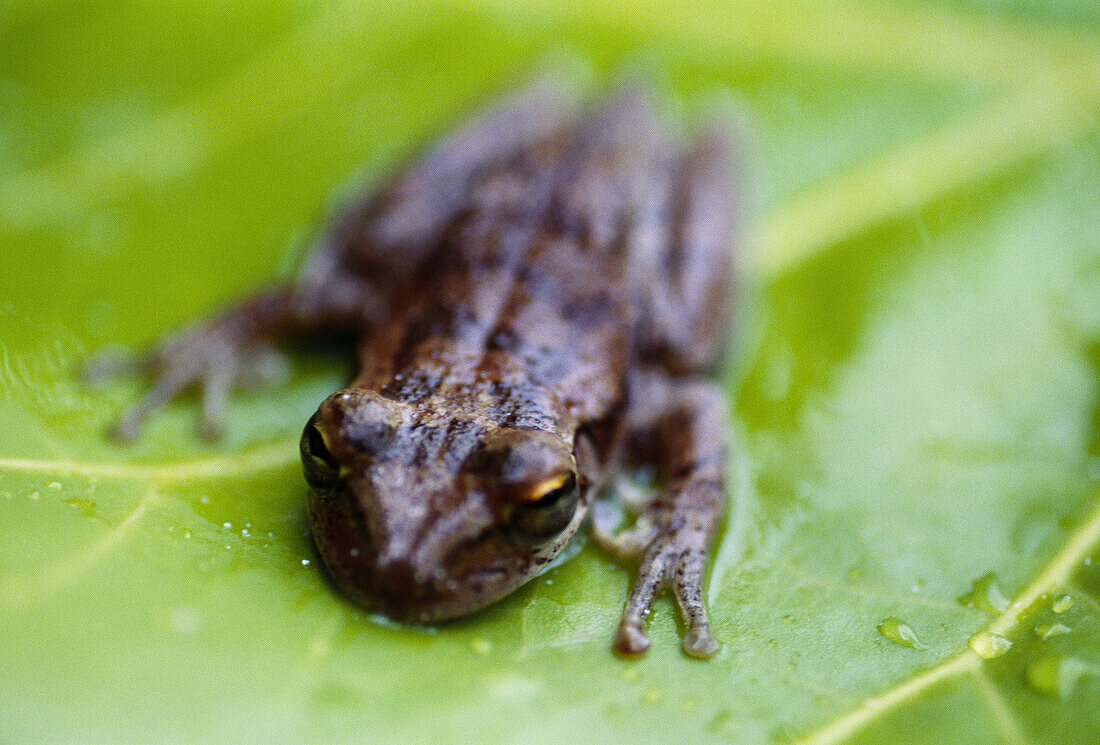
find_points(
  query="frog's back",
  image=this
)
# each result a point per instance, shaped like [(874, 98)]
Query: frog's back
[(523, 318)]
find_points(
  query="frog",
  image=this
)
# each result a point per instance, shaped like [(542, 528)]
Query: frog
[(538, 304)]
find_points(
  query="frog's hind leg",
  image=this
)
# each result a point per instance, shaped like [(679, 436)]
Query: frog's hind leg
[(679, 425), (677, 418), (680, 256)]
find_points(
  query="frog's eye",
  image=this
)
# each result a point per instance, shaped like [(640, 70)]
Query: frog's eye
[(321, 469), (549, 508)]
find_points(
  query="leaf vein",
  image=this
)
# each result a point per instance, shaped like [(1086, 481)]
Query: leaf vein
[(1055, 575), (1039, 116), (24, 590), (1002, 714), (266, 458)]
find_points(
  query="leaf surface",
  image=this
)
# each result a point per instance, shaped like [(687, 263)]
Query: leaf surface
[(915, 379)]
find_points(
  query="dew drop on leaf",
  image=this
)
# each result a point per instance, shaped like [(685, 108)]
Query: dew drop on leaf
[(988, 645), (1062, 604), (1047, 630), (900, 633), (985, 595)]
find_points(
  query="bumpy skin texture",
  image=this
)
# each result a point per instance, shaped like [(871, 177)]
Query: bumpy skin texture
[(539, 302)]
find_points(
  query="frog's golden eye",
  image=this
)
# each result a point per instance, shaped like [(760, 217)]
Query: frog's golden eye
[(548, 508), (321, 469)]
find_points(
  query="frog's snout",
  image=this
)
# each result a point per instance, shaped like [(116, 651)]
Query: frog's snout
[(398, 580)]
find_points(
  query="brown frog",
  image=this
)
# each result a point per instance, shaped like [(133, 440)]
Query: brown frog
[(539, 304)]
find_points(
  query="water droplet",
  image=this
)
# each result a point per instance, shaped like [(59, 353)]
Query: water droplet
[(33, 496), (1062, 604), (989, 645), (354, 552), (900, 633), (53, 485), (1047, 630), (204, 499), (227, 525), (1055, 674), (788, 619), (1088, 561), (985, 595), (305, 562), (86, 506), (651, 696), (187, 534), (481, 646)]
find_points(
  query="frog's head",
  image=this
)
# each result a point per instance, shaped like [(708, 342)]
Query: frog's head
[(428, 517)]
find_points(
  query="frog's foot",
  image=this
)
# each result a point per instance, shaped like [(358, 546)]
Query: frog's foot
[(626, 545), (210, 360), (667, 564)]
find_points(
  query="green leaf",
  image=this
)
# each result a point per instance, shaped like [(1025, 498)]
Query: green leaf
[(915, 379)]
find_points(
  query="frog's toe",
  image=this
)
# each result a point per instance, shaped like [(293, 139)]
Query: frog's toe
[(215, 394), (630, 640), (163, 390), (128, 427), (625, 545), (699, 643), (687, 585)]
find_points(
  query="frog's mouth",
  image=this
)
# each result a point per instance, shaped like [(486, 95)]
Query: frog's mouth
[(469, 578)]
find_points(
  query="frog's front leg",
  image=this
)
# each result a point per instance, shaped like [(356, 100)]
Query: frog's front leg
[(678, 425), (235, 348)]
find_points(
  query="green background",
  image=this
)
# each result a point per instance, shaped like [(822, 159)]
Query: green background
[(914, 377)]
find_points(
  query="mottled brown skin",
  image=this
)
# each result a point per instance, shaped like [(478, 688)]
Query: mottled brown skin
[(540, 302)]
